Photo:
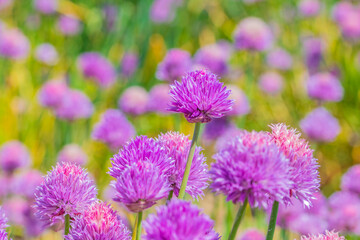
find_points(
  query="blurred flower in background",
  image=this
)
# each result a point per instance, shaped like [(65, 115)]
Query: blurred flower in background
[(129, 64), (14, 155), (72, 153), (271, 82), (159, 99), (13, 44), (176, 63), (46, 6), (280, 59), (134, 100), (69, 25), (47, 54), (324, 87)]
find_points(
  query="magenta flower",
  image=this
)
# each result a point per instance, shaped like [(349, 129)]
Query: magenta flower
[(75, 105), (271, 83), (327, 236), (313, 51), (251, 166), (325, 86), (216, 129), (129, 64), (252, 234), (176, 63), (320, 125), (52, 93), (69, 25), (309, 8), (25, 183), (163, 11), (177, 146), (67, 189), (72, 153), (15, 209), (113, 129), (179, 220), (280, 59), (253, 34), (348, 182), (47, 54), (341, 9), (134, 100), (3, 225), (159, 99), (14, 44), (347, 17), (241, 104), (200, 96), (97, 68), (98, 222), (14, 155), (46, 6), (303, 166)]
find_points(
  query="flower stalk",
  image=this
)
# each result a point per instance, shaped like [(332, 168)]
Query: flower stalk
[(238, 219), (272, 222)]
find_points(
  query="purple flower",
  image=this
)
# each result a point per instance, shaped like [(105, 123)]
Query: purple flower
[(110, 14), (253, 34), (3, 225), (98, 222), (200, 96), (14, 155), (320, 125), (216, 129), (179, 220), (303, 166), (176, 63), (72, 153), (214, 57), (134, 100), (348, 17), (163, 11), (96, 67), (46, 6), (52, 93), (252, 234), (69, 25), (241, 104), (13, 44), (25, 184), (159, 99), (327, 236), (271, 83), (309, 8), (129, 64), (325, 86), (341, 9), (313, 51), (3, 235), (47, 54), (113, 129), (15, 209), (177, 146), (67, 189), (251, 166), (280, 59), (349, 180), (74, 105)]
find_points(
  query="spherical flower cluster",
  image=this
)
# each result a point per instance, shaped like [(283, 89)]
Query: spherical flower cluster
[(340, 10), (309, 8), (253, 34), (96, 67), (113, 129), (25, 183), (200, 96), (72, 153), (14, 155), (241, 104), (141, 169), (129, 64), (177, 146), (252, 234), (159, 98), (100, 222), (47, 54), (320, 125), (13, 44), (303, 166), (134, 100), (67, 189), (327, 236), (46, 6), (69, 25), (163, 11), (216, 129), (15, 208), (280, 59), (179, 220), (347, 16), (349, 182), (313, 53), (52, 93), (271, 82), (251, 167), (176, 63), (325, 86)]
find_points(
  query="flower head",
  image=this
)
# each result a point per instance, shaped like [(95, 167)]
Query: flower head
[(313, 52), (46, 6), (113, 129), (72, 153), (14, 155), (159, 98), (134, 100), (47, 54), (96, 67), (3, 225), (25, 183), (69, 25), (280, 59), (325, 86), (327, 236), (251, 166), (179, 220), (177, 146), (176, 63), (271, 82), (216, 129), (349, 182), (129, 64), (98, 222), (200, 96), (67, 189), (309, 8), (241, 104), (253, 34), (303, 166), (320, 125), (14, 44), (52, 92), (252, 234)]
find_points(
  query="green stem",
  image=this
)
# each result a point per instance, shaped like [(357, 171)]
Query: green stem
[(238, 219), (189, 161), (171, 193), (67, 224), (138, 226), (272, 222), (283, 234)]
